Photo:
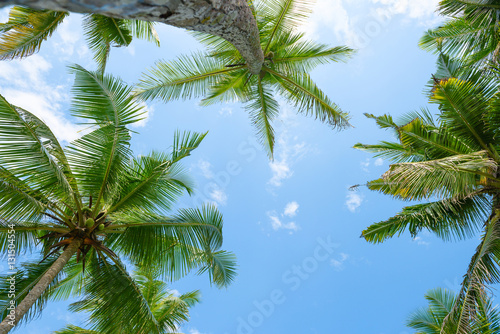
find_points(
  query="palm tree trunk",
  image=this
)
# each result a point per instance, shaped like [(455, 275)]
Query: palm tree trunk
[(40, 287), (230, 19)]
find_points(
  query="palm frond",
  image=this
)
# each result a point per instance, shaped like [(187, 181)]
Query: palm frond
[(274, 17), (143, 30), (101, 32), (455, 176), (449, 219), (26, 30), (186, 77), (263, 108), (304, 95), (25, 146), (115, 301)]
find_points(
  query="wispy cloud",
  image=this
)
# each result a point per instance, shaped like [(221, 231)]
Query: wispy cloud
[(420, 241), (291, 209), (338, 264), (205, 168), (353, 201), (279, 221), (277, 224), (379, 162), (25, 85), (288, 149), (214, 191)]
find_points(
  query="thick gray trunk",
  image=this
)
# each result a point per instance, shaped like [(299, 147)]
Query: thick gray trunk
[(229, 19), (40, 287)]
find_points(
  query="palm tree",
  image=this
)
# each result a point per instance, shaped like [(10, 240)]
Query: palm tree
[(28, 28), (430, 320), (471, 32), (221, 74), (451, 166), (95, 200), (110, 311)]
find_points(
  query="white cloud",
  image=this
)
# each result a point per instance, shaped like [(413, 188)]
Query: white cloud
[(225, 111), (365, 164), (277, 224), (291, 209), (148, 112), (356, 23), (420, 241), (69, 33), (288, 150), (218, 195), (353, 201), (195, 331), (206, 168), (25, 86), (379, 162), (338, 264), (413, 9), (4, 14)]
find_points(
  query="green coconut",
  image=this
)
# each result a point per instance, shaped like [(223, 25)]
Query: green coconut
[(89, 222), (101, 227), (86, 210)]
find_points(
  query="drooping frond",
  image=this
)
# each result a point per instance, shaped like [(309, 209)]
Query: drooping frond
[(186, 77), (462, 105), (300, 91), (176, 244), (455, 176), (102, 32), (26, 145), (263, 108), (26, 30), (115, 301), (143, 30), (449, 219), (483, 269)]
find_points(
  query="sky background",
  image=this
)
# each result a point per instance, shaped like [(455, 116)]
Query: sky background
[(278, 214)]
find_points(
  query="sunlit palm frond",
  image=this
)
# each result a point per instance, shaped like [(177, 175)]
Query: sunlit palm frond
[(263, 109), (26, 30), (25, 146), (115, 301), (453, 218), (186, 77), (300, 91)]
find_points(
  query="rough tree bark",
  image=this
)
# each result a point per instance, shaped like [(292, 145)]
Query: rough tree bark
[(40, 287), (229, 19)]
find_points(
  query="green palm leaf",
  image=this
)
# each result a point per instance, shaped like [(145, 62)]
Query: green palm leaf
[(25, 31), (187, 77)]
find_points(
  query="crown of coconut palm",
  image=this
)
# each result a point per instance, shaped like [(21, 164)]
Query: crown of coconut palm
[(452, 164), (471, 32), (28, 28), (221, 75), (431, 320), (112, 312), (95, 199)]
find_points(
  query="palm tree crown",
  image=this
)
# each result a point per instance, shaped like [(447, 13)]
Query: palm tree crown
[(95, 199), (453, 163), (27, 28), (471, 33), (108, 316), (430, 320), (221, 75)]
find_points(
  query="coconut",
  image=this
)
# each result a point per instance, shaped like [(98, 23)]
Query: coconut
[(89, 222), (101, 227), (86, 210)]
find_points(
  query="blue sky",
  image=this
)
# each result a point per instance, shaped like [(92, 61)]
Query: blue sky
[(293, 223)]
